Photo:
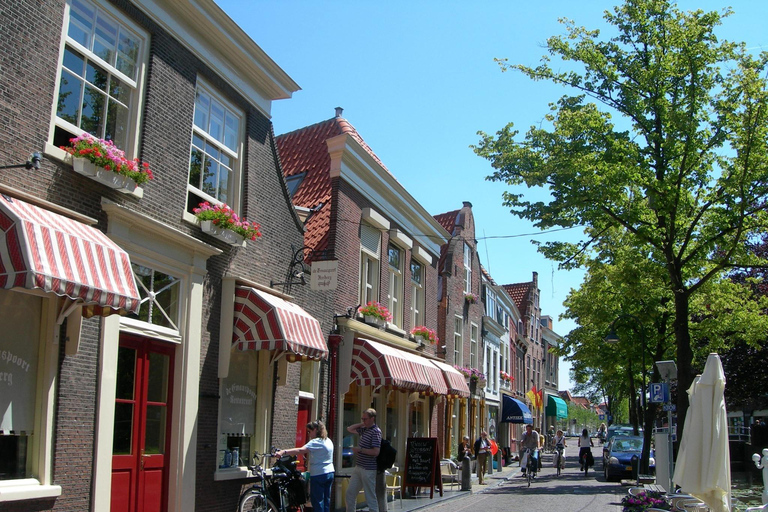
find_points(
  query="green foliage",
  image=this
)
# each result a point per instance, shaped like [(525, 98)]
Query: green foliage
[(662, 150)]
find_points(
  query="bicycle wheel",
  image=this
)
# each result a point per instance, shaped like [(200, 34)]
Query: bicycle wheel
[(256, 502)]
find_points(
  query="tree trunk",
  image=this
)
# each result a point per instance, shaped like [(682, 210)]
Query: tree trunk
[(684, 358)]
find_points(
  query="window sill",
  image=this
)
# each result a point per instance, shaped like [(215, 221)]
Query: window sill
[(27, 489), (232, 474)]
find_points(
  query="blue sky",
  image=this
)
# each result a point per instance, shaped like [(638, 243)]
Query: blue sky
[(417, 79)]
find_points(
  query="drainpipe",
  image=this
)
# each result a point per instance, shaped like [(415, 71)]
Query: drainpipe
[(334, 340)]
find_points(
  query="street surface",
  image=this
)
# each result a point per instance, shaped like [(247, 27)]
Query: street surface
[(570, 492)]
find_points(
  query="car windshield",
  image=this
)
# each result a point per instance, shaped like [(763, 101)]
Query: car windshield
[(628, 445)]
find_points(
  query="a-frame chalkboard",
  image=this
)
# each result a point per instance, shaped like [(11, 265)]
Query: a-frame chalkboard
[(422, 464)]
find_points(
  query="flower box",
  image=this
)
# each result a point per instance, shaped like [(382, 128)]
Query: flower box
[(425, 334), (106, 177), (419, 339), (225, 235), (374, 320)]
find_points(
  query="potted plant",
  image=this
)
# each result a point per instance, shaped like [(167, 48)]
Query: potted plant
[(102, 161), (644, 500), (466, 372), (471, 298), (425, 334), (376, 313), (223, 223)]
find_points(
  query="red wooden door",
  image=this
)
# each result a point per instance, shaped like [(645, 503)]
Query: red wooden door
[(142, 426), (305, 406)]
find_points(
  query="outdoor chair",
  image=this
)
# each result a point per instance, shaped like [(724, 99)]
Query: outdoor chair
[(393, 486), (449, 473)]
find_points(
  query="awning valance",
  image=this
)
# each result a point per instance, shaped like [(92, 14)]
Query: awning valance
[(556, 407), (514, 411), (45, 250), (457, 383), (263, 321), (379, 365)]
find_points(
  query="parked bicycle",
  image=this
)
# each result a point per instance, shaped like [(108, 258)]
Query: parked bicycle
[(278, 489)]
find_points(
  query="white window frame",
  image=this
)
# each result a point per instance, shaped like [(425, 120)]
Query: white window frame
[(137, 83), (417, 295), (234, 189), (41, 452), (458, 340), (467, 268), (473, 346), (395, 292)]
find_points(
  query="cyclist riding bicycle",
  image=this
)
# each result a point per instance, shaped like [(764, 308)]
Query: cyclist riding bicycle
[(560, 445), (530, 440)]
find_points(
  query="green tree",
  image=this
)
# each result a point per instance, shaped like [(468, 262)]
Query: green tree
[(684, 173)]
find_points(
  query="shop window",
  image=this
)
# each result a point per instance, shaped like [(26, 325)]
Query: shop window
[(239, 394)]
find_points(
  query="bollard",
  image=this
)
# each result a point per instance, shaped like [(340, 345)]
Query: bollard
[(466, 475), (635, 462)]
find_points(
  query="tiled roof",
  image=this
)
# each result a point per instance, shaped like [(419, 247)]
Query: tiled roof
[(582, 401), (519, 293), (487, 275), (305, 151), (448, 220)]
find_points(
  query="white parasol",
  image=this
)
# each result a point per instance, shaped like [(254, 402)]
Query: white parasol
[(704, 464)]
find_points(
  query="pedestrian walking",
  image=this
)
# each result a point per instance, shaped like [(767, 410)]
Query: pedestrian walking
[(482, 450)]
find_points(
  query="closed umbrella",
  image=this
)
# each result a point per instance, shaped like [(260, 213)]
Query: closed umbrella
[(704, 464)]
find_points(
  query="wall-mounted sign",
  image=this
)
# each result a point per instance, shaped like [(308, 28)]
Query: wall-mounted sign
[(324, 275)]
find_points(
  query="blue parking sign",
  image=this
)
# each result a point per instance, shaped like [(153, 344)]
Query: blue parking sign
[(659, 392)]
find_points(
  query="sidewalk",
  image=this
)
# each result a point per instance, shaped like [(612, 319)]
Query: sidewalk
[(422, 500)]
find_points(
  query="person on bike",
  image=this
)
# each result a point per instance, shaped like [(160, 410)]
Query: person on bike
[(321, 471), (530, 440), (364, 474), (585, 449), (482, 452), (559, 443)]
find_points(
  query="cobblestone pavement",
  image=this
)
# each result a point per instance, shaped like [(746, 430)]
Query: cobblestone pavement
[(570, 492)]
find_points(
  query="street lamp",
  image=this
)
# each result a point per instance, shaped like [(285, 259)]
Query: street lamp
[(612, 337)]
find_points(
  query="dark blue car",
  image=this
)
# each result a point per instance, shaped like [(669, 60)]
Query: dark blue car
[(617, 457)]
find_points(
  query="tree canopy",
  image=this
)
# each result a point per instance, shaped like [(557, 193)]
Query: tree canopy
[(663, 147)]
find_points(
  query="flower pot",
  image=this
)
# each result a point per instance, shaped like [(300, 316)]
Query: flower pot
[(418, 338), (374, 320), (106, 177), (225, 235)]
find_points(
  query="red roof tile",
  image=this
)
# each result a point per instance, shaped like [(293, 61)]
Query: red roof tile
[(519, 293), (448, 220)]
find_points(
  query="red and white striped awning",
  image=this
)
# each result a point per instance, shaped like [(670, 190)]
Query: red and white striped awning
[(378, 365), (457, 383), (45, 250), (266, 322)]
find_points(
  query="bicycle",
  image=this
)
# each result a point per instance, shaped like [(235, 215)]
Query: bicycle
[(273, 491), (531, 465), (584, 460), (559, 458)]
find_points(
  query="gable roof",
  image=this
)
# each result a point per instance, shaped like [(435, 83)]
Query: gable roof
[(305, 151), (581, 401)]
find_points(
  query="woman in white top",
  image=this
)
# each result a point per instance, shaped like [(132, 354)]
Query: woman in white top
[(585, 449), (321, 471)]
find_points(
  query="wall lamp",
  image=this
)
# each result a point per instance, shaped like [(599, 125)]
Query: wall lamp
[(32, 163)]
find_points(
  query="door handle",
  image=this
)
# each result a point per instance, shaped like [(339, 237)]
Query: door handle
[(141, 460)]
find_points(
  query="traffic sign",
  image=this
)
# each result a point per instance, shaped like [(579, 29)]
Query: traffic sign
[(659, 392)]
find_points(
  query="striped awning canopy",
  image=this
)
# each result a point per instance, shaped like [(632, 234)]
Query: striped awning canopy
[(379, 365), (45, 250), (266, 322), (457, 383)]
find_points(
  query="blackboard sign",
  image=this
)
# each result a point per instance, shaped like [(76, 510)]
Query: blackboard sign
[(422, 466)]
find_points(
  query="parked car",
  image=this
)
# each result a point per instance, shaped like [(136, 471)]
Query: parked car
[(621, 430), (617, 457)]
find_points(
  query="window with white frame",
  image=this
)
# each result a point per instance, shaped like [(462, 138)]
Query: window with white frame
[(26, 377), (417, 293), (458, 341), (473, 349), (490, 302), (467, 268), (395, 294), (214, 161), (100, 76), (160, 294), (370, 243)]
